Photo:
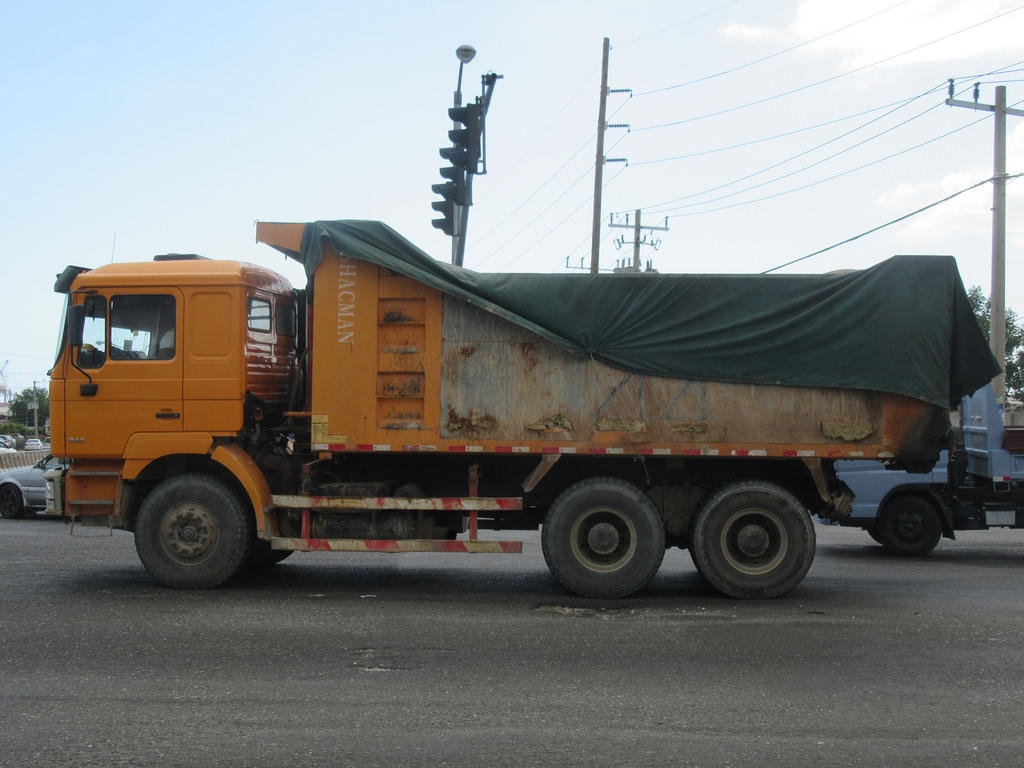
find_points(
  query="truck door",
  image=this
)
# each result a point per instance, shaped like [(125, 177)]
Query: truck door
[(131, 351)]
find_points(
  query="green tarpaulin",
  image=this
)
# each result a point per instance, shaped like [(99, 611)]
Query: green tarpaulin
[(904, 326)]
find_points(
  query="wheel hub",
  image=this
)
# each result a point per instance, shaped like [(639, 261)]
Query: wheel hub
[(909, 526), (603, 538), (753, 540), (189, 533)]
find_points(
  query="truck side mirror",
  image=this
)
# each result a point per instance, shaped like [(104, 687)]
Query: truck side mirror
[(76, 324)]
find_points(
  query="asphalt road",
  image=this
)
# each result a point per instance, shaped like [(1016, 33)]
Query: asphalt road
[(483, 660)]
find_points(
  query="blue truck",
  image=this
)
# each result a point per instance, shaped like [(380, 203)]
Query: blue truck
[(978, 483)]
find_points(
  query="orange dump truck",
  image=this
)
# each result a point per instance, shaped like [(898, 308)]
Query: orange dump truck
[(400, 404)]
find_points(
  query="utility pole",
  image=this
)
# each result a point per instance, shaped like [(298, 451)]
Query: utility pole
[(600, 159), (637, 239), (997, 320), (34, 405), (595, 234)]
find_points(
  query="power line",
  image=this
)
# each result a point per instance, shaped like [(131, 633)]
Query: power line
[(553, 229), (545, 211), (783, 135), (808, 167), (815, 84), (679, 24), (834, 176), (658, 209), (572, 185), (771, 55), (536, 192), (660, 206), (522, 155), (805, 129), (887, 224)]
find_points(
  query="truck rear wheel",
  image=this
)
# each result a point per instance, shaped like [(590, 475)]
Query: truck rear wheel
[(908, 525), (192, 532), (752, 539), (603, 538)]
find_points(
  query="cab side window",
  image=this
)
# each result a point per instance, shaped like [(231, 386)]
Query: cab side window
[(142, 327), (259, 314), (132, 327), (93, 351)]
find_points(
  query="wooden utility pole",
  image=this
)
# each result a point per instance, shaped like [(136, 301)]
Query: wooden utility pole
[(997, 321)]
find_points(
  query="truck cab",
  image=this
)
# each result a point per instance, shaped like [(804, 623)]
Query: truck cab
[(978, 483), (167, 360)]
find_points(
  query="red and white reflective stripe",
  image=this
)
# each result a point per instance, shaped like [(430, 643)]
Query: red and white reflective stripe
[(397, 545), (803, 453), (442, 503)]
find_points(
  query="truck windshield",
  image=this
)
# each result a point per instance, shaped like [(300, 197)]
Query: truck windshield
[(62, 332)]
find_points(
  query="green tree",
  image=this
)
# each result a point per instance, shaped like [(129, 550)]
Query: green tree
[(21, 406), (1013, 361)]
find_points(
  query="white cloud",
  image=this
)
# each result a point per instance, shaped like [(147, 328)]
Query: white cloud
[(971, 211), (906, 33)]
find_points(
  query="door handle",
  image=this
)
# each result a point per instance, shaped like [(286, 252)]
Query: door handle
[(167, 415)]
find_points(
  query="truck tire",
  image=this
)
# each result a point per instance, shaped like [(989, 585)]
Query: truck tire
[(12, 506), (908, 526), (752, 539), (192, 532), (603, 538)]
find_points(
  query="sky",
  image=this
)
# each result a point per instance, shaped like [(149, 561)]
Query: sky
[(759, 132)]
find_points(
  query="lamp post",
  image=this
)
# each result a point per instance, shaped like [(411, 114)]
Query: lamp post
[(465, 54)]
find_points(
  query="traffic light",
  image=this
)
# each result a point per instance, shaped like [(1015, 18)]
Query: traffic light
[(463, 156), (445, 207), (465, 149)]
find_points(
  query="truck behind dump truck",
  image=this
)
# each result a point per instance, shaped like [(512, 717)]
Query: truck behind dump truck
[(398, 404), (976, 485)]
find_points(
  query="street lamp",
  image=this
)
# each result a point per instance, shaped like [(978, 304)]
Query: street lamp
[(465, 54)]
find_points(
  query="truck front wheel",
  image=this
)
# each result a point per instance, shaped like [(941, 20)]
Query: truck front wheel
[(192, 532), (909, 526), (752, 539), (603, 538)]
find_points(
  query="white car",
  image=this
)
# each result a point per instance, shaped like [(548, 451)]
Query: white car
[(33, 444)]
